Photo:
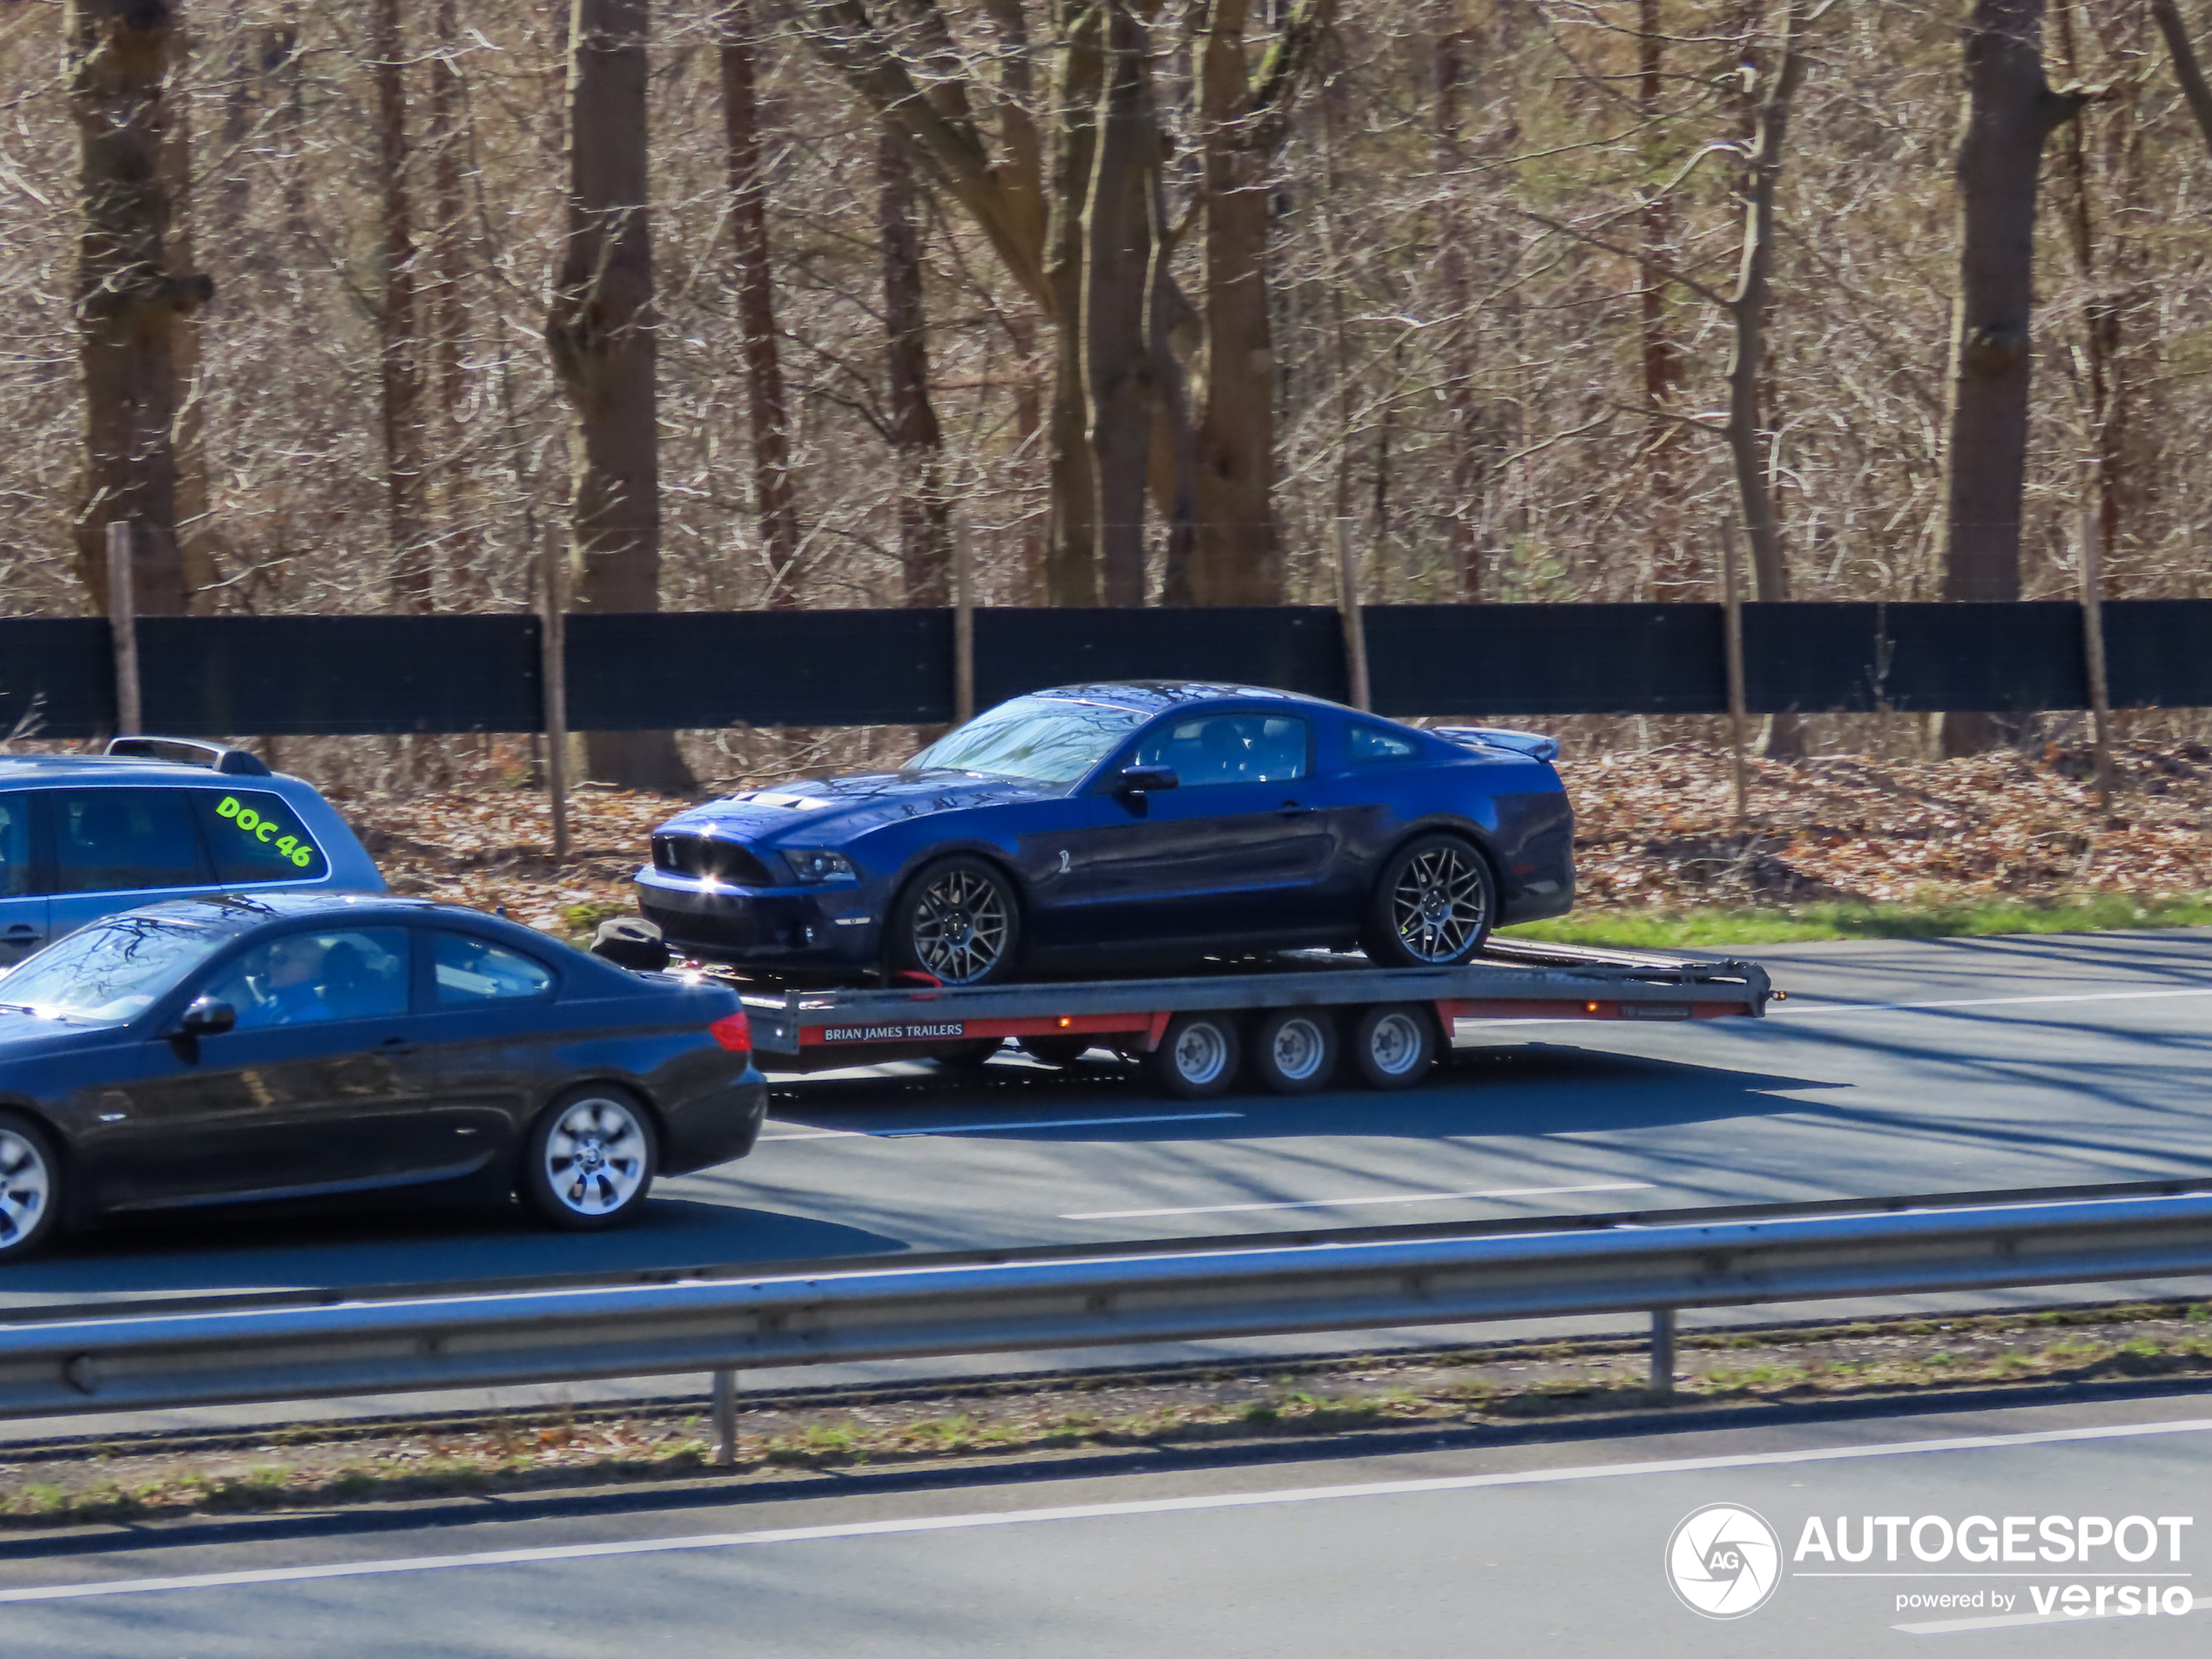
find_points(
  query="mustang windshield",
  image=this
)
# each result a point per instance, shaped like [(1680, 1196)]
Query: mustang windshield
[(112, 971), (1044, 740)]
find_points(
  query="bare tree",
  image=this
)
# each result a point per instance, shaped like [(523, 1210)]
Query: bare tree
[(925, 514), (128, 299), (399, 367), (2187, 70), (775, 501), (1662, 358), (600, 331), (2011, 110)]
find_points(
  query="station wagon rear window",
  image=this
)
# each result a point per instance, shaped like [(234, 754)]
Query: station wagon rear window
[(255, 837)]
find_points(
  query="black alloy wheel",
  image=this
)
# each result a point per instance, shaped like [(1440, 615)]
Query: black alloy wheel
[(1294, 1051), (30, 1186), (957, 921), (1198, 1056), (590, 1159), (1433, 904), (1392, 1045)]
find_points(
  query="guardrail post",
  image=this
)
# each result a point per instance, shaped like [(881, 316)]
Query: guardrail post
[(1662, 1350), (725, 1418)]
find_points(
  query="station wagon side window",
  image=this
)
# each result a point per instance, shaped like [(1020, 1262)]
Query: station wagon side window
[(468, 971), (123, 841), (1371, 745), (15, 846), (257, 838), (1228, 749)]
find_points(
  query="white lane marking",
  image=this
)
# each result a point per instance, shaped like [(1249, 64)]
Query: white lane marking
[(1344, 1203), (985, 1129), (2007, 1620), (1796, 1007), (1092, 1512)]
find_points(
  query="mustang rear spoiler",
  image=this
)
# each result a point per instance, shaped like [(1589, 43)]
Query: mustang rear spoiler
[(1532, 744), (188, 752)]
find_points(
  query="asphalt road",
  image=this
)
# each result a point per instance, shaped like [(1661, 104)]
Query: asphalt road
[(1560, 1548), (1914, 1066)]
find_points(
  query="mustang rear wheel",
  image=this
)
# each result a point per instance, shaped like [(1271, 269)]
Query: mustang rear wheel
[(29, 1187), (957, 921), (1431, 906), (591, 1160)]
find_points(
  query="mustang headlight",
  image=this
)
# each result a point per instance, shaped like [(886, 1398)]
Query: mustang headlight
[(819, 864)]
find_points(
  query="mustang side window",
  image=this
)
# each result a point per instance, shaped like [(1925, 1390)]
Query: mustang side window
[(116, 840), (472, 970), (1228, 749), (304, 979), (15, 846), (1369, 744)]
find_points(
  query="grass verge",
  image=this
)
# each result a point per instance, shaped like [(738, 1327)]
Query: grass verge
[(1789, 924)]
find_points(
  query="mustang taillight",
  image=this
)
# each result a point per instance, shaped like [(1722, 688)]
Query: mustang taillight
[(733, 1032)]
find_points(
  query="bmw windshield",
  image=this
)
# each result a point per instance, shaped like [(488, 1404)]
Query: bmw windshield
[(1040, 740), (111, 972)]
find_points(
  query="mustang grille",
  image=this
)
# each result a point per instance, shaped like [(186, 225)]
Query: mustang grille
[(710, 856)]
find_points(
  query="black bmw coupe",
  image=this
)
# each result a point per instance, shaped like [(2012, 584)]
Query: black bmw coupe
[(305, 1046), (1159, 818)]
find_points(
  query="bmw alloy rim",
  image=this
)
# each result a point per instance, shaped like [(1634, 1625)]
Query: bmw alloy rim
[(25, 1183), (1201, 1053), (960, 926), (1299, 1049), (595, 1159), (1438, 904), (1395, 1044)]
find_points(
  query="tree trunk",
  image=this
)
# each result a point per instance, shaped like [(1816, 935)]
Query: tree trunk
[(1747, 438), (774, 499), (449, 239), (1071, 549), (1118, 262), (1463, 411), (2011, 113), (128, 299), (1238, 558), (399, 363), (1672, 576), (917, 443), (196, 541), (600, 331), (2187, 70)]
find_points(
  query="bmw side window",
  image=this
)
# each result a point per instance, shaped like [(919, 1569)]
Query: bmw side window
[(257, 838), (1228, 749), (306, 979), (1371, 744), (15, 846), (468, 970), (119, 840)]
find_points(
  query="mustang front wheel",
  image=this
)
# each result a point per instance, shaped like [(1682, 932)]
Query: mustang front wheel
[(956, 921), (590, 1161), (1431, 906)]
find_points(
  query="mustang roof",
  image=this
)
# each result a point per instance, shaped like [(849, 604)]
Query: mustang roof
[(1155, 695)]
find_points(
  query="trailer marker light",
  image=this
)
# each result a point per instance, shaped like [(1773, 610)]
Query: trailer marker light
[(1589, 1008)]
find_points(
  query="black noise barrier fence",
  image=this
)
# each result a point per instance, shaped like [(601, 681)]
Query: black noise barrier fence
[(332, 675)]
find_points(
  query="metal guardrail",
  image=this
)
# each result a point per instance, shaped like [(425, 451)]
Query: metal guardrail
[(1185, 1291)]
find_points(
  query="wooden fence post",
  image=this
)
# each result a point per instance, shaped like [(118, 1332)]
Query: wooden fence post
[(1355, 620), (553, 673), (122, 611)]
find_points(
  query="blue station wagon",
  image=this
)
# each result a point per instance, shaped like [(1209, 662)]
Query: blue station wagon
[(84, 836)]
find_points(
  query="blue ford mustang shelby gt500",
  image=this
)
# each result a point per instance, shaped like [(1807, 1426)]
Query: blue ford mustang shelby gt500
[(1158, 818)]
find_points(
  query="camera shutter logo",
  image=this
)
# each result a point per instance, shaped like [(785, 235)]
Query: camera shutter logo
[(1723, 1562)]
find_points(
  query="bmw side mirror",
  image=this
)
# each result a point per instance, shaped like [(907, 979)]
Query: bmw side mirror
[(1145, 780), (208, 1016)]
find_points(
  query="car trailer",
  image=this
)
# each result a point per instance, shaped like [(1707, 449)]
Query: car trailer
[(1282, 1024)]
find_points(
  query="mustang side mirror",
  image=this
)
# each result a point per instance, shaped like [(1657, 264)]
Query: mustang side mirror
[(1144, 781), (208, 1016)]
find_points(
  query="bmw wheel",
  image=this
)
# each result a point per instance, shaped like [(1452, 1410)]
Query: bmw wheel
[(1433, 904), (957, 921), (591, 1160), (29, 1187)]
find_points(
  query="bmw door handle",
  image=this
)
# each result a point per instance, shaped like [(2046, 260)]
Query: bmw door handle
[(1292, 809), (397, 1045)]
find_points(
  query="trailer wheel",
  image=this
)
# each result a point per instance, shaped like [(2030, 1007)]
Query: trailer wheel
[(1197, 1056), (1055, 1051), (1294, 1051), (1394, 1044)]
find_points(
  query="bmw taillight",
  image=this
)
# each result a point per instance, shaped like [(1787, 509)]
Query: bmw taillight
[(733, 1032)]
